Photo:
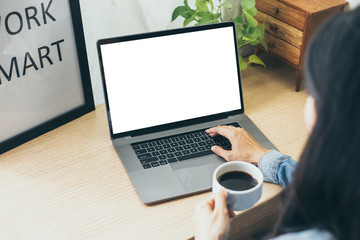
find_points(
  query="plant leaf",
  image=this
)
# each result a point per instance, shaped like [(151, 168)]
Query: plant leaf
[(226, 5), (205, 18), (264, 45), (243, 64), (201, 5), (186, 3), (176, 13), (255, 59), (184, 11), (251, 11), (246, 4), (250, 20), (239, 20), (189, 20)]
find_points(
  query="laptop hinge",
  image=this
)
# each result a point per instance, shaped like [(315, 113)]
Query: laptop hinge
[(121, 138), (233, 116)]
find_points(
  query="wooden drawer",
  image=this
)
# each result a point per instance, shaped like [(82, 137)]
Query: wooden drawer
[(281, 30), (282, 12), (283, 49)]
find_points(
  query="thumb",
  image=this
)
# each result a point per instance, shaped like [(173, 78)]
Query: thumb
[(221, 152)]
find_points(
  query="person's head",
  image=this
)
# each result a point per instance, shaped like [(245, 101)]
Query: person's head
[(325, 192)]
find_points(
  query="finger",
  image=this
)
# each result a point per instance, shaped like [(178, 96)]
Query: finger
[(220, 201), (206, 205), (231, 213), (211, 131), (226, 131), (221, 152)]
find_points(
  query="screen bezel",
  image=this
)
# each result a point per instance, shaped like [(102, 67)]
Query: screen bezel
[(177, 124), (64, 118)]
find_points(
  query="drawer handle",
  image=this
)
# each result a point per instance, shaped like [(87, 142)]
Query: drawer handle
[(273, 28), (277, 11), (271, 44)]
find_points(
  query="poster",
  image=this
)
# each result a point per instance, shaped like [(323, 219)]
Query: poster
[(44, 76)]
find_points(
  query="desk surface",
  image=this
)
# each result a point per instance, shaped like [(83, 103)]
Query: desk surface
[(70, 183)]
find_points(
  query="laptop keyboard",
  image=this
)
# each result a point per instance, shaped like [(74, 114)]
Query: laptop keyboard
[(179, 147)]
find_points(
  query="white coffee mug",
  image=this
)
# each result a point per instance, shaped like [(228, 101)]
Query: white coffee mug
[(244, 199)]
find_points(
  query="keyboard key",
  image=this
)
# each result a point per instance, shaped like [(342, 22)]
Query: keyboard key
[(170, 155), (201, 144), (182, 138), (195, 155), (177, 154), (155, 154), (141, 151), (171, 150), (149, 160), (174, 144), (162, 157), (159, 148), (193, 150), (189, 141), (186, 152), (187, 147), (144, 145), (163, 152), (197, 139), (150, 149), (166, 146), (172, 160), (146, 166), (143, 156), (155, 164), (194, 145), (167, 140), (159, 142), (163, 162), (200, 149), (182, 143), (179, 148), (136, 147)]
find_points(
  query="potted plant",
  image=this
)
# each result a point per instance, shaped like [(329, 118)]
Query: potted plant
[(248, 29)]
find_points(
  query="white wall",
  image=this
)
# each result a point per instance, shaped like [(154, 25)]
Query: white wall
[(109, 18), (353, 3)]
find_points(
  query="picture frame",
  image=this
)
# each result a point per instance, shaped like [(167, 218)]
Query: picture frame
[(44, 71)]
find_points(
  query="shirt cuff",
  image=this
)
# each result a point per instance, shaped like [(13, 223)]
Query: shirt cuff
[(269, 164)]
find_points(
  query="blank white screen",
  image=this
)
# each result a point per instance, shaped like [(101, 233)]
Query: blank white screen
[(166, 79)]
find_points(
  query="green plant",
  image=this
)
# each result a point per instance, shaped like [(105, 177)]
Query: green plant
[(247, 28)]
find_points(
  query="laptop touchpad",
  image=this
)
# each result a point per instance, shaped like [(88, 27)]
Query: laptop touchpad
[(196, 175)]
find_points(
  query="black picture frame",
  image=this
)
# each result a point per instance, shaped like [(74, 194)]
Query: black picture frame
[(81, 110)]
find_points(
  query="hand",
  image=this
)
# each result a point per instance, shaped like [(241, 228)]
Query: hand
[(212, 217), (244, 146)]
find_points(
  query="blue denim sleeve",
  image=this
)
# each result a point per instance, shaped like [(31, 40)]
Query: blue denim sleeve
[(277, 167)]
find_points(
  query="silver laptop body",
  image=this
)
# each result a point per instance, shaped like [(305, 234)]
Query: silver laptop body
[(161, 84)]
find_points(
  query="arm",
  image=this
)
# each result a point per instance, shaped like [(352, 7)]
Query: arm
[(275, 166)]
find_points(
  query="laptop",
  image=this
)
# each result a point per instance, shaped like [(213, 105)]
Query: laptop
[(162, 90)]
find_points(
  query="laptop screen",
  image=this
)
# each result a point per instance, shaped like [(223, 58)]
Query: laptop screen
[(155, 79)]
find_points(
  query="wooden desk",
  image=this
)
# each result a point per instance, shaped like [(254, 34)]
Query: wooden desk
[(70, 183)]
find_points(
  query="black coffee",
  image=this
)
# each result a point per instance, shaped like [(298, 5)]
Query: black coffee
[(237, 180)]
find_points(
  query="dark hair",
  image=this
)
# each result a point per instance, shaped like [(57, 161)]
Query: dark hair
[(325, 190)]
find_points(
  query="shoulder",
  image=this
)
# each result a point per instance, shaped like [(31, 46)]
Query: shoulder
[(313, 234)]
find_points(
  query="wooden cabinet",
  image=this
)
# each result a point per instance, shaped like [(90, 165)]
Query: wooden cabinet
[(289, 25)]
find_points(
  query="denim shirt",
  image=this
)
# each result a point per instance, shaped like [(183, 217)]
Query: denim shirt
[(278, 168)]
